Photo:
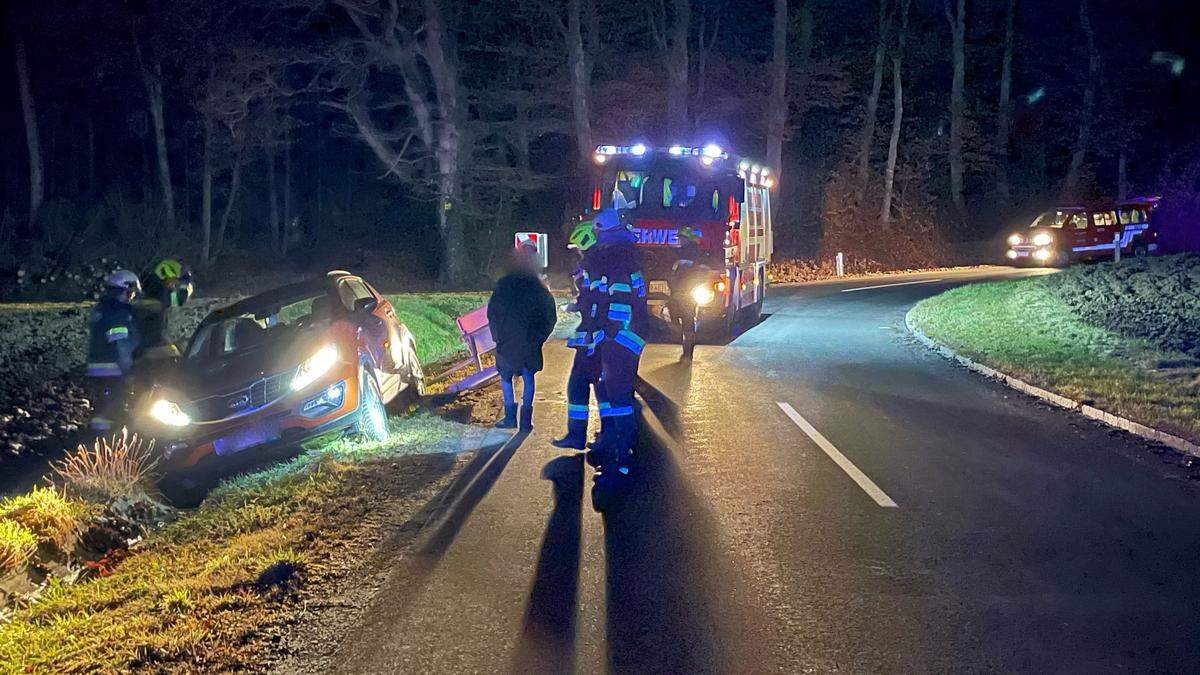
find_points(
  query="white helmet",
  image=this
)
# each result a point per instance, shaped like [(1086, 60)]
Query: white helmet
[(124, 280)]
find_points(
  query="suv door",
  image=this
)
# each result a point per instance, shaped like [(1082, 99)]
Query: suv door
[(1105, 231), (1078, 232)]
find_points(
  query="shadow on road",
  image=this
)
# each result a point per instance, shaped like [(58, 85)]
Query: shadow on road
[(478, 477), (547, 641), (669, 589)]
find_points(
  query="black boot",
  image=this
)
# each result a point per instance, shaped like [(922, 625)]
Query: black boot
[(527, 417), (510, 418), (576, 438)]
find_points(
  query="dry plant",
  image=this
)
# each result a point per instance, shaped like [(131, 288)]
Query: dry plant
[(113, 468), (46, 512)]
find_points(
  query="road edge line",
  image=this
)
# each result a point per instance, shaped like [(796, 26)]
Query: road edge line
[(1116, 421)]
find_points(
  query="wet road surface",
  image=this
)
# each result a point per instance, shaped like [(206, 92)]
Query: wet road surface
[(822, 494)]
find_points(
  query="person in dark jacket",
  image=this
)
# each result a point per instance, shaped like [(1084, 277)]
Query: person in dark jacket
[(521, 315)]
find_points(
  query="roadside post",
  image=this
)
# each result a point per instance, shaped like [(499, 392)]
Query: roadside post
[(839, 262), (1116, 248), (539, 240)]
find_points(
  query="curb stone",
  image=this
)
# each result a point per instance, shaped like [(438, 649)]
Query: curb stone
[(1116, 421)]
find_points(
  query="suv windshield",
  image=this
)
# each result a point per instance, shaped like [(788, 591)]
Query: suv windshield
[(247, 331), (1055, 219)]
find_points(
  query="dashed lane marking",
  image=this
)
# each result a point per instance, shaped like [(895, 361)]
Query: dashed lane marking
[(898, 283), (855, 474)]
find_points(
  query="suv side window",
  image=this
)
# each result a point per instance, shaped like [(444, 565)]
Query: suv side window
[(351, 290), (1080, 220)]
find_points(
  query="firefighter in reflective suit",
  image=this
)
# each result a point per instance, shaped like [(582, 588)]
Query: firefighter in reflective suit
[(113, 338), (585, 368), (615, 273)]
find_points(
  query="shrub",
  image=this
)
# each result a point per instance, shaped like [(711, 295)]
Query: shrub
[(45, 512), (912, 240), (1156, 299), (113, 468), (17, 544)]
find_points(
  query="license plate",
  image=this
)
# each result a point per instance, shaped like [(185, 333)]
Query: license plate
[(660, 287), (248, 436)]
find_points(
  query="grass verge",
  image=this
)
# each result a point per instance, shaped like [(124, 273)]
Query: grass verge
[(430, 316), (205, 593), (1024, 328)]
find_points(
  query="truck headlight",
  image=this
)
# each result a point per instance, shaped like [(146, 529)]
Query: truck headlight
[(314, 366), (1015, 240), (703, 294), (1042, 239), (1043, 254), (169, 413)]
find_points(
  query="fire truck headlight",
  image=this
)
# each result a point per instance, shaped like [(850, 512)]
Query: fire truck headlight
[(1042, 239), (1015, 240), (600, 158), (1043, 254), (703, 294), (1012, 255), (168, 413)]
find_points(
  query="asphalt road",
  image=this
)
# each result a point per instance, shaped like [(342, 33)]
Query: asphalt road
[(822, 494)]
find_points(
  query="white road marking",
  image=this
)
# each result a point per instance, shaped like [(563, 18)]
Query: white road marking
[(855, 474), (898, 283)]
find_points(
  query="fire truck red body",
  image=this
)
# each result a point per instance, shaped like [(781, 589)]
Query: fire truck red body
[(727, 199)]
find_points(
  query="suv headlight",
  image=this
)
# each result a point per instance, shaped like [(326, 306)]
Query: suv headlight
[(1015, 240), (168, 413), (1042, 239), (703, 294), (314, 366)]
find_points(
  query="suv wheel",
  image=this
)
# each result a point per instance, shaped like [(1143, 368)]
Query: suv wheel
[(372, 416)]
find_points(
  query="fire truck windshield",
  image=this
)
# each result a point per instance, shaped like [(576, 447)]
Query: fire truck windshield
[(667, 195)]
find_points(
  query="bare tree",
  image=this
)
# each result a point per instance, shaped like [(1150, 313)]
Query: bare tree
[(889, 176), (32, 143), (581, 34), (958, 32), (1004, 109), (867, 135), (1088, 111), (152, 81), (778, 105), (423, 56), (670, 28)]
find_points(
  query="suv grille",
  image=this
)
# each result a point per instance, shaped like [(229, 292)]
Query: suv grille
[(259, 393)]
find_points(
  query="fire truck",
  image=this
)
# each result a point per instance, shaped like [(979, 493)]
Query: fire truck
[(702, 217)]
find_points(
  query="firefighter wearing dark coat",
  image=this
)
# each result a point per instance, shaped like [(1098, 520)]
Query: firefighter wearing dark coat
[(113, 338), (585, 367), (614, 267), (521, 315)]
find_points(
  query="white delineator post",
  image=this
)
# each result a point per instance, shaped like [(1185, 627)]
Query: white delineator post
[(1117, 247), (839, 262)]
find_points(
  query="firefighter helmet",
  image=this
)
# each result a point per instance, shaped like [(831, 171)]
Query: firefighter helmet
[(583, 236), (610, 219), (124, 280), (168, 269)]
